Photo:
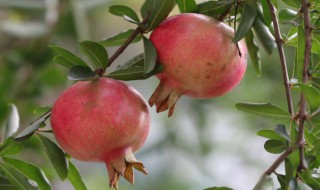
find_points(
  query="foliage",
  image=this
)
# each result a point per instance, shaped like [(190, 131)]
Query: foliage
[(296, 138)]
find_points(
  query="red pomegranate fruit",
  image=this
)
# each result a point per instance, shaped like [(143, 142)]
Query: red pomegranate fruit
[(199, 59), (102, 121)]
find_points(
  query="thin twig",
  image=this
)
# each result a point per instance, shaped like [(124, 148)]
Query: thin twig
[(136, 32), (305, 78), (279, 42), (279, 160)]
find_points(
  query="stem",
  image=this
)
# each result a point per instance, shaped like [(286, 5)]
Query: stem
[(279, 42), (279, 160), (234, 24), (305, 78), (136, 32)]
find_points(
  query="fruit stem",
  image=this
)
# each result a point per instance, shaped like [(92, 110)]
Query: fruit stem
[(136, 32)]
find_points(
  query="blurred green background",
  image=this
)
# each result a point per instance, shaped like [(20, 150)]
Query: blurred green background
[(205, 143)]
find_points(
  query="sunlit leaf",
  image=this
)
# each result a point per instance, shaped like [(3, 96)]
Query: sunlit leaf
[(81, 73), (75, 60), (41, 110), (119, 39), (254, 54), (157, 10), (264, 35), (293, 3), (307, 178), (28, 131), (31, 171), (10, 147), (12, 122), (96, 53), (124, 11), (75, 177), (56, 156), (264, 183), (187, 6), (263, 109), (286, 14), (150, 55), (247, 18), (20, 181)]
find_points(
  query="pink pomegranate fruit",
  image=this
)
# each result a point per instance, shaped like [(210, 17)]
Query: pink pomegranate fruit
[(199, 59), (102, 121)]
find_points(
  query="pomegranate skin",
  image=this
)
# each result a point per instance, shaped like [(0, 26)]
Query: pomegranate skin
[(102, 121), (199, 58)]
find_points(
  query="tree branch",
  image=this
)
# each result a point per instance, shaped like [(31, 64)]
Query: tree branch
[(279, 42), (305, 78), (136, 32), (279, 160)]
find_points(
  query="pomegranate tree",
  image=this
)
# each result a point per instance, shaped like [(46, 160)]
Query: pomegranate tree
[(102, 121), (199, 59)]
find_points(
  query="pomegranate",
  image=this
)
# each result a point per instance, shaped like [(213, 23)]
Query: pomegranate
[(198, 57), (102, 121)]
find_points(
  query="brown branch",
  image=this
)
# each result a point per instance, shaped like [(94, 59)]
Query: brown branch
[(279, 160), (136, 32), (305, 78), (279, 42)]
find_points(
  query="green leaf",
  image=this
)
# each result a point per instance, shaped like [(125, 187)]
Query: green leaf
[(266, 13), (56, 156), (72, 58), (31, 171), (5, 184), (218, 188), (137, 60), (303, 186), (306, 177), (81, 73), (158, 11), (150, 55), (215, 9), (287, 14), (293, 3), (10, 147), (263, 109), (12, 122), (275, 146), (75, 177), (254, 54), (125, 12), (187, 6), (28, 131), (281, 130), (264, 35), (312, 95), (264, 183), (247, 18), (298, 65), (119, 39), (96, 53), (20, 181), (270, 134), (134, 73), (63, 61), (41, 110)]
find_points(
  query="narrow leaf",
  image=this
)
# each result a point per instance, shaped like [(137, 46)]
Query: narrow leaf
[(264, 183), (254, 54), (266, 13), (312, 95), (270, 134), (28, 131), (281, 130), (96, 53), (119, 39), (124, 11), (20, 181), (215, 9), (63, 61), (264, 35), (187, 6), (134, 73), (75, 177), (263, 109), (247, 18), (42, 110), (137, 60), (298, 65), (31, 171), (56, 156), (10, 147), (81, 73), (12, 122), (150, 55), (275, 146), (75, 60), (157, 10)]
